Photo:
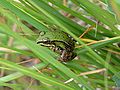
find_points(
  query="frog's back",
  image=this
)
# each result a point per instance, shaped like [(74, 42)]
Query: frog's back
[(60, 36)]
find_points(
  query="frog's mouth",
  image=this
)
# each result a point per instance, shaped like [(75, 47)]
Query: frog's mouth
[(49, 43), (46, 43)]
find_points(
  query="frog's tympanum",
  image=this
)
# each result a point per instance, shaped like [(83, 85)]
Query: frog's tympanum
[(60, 42)]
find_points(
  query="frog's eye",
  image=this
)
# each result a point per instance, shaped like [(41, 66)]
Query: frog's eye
[(42, 33)]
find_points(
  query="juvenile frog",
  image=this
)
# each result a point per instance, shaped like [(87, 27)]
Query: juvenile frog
[(59, 42)]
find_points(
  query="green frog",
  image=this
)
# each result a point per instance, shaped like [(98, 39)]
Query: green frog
[(59, 42)]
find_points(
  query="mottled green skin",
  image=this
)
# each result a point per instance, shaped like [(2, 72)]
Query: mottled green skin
[(60, 42)]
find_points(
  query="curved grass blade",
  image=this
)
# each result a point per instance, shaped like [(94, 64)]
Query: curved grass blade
[(16, 75), (34, 74), (102, 15), (23, 15)]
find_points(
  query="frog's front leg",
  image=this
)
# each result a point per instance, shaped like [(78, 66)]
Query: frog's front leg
[(56, 48), (53, 48)]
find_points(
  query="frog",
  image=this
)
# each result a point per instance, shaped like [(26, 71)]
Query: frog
[(59, 42)]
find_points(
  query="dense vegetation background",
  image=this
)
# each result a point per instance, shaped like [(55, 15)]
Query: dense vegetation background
[(94, 24)]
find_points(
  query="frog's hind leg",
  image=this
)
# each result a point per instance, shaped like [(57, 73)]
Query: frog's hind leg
[(61, 58), (64, 56)]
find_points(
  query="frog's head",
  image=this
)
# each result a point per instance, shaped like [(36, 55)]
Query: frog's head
[(43, 39)]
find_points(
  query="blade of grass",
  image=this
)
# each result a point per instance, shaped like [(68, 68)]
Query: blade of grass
[(12, 86), (115, 8), (102, 15), (108, 57), (99, 44), (17, 50), (34, 74), (23, 15), (16, 75), (12, 18)]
